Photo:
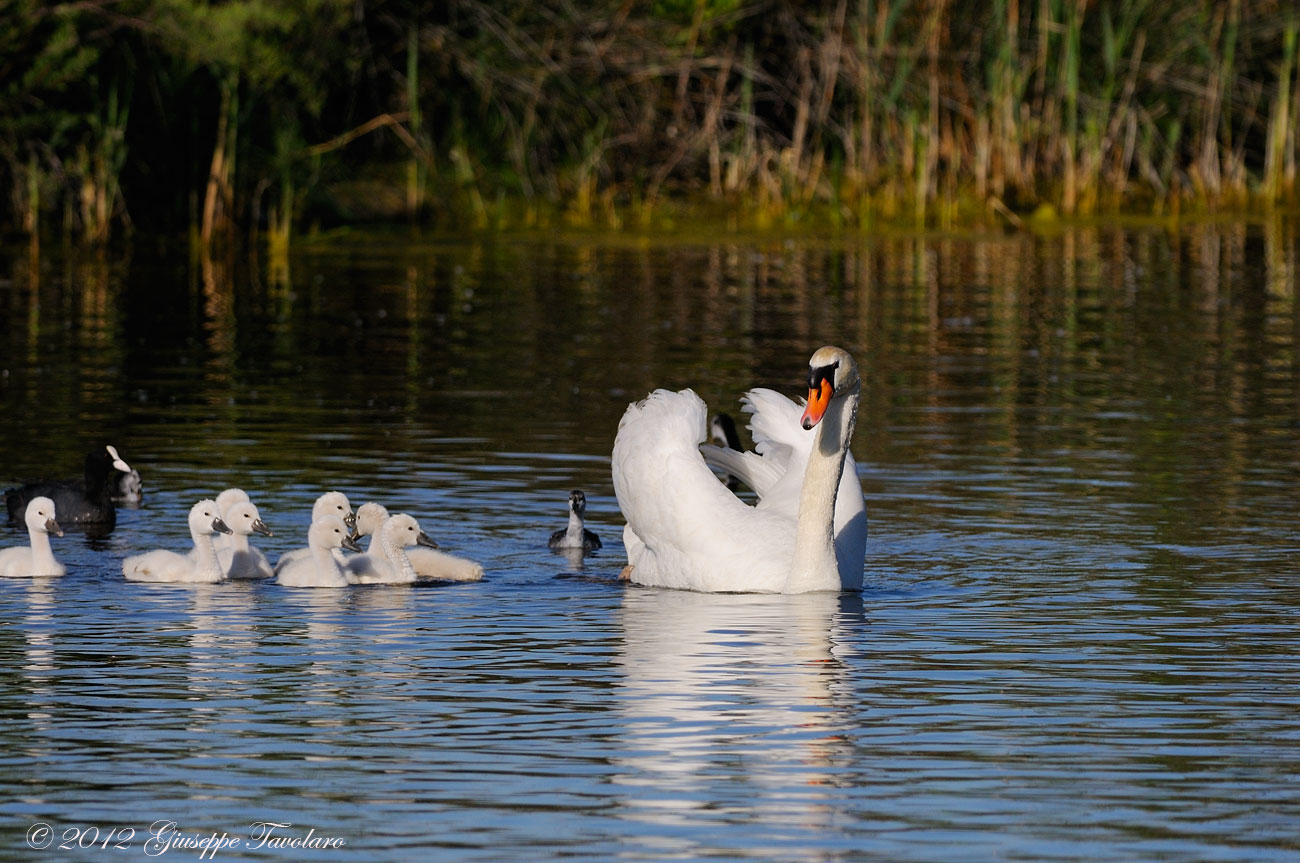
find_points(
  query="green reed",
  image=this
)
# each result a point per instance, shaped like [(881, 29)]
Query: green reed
[(267, 114)]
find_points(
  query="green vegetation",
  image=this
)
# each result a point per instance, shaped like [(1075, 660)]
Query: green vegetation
[(246, 117)]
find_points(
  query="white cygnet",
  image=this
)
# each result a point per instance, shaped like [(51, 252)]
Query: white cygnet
[(330, 503), (238, 558), (225, 501), (319, 568), (428, 562), (199, 566), (37, 558), (370, 518), (389, 563)]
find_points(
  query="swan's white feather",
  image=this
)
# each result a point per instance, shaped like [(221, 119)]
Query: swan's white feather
[(706, 538)]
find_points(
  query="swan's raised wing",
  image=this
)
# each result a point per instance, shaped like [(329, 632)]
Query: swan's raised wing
[(748, 467), (686, 529), (779, 441), (775, 424)]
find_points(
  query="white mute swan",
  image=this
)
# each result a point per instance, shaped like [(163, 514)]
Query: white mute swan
[(686, 530), (389, 564), (238, 558), (36, 558), (576, 535), (200, 566), (330, 503), (319, 568), (427, 561)]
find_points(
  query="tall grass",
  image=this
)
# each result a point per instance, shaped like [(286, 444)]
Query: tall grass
[(759, 112)]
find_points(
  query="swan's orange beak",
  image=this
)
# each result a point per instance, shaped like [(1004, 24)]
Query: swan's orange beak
[(819, 398)]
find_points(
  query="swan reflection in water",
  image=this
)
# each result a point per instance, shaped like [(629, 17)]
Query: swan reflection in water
[(750, 687)]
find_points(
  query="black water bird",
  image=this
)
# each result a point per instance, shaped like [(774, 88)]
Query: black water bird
[(87, 501), (575, 536)]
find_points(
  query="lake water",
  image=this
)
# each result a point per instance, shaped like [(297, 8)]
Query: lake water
[(1079, 637)]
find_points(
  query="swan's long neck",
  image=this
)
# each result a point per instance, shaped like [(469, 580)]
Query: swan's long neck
[(206, 555), (237, 542), (42, 555), (397, 556), (815, 566)]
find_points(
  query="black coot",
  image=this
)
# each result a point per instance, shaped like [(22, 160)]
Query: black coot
[(87, 501)]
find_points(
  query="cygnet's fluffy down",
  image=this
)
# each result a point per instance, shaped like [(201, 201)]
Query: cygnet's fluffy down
[(199, 566), (389, 564), (37, 558), (426, 561), (238, 558), (318, 568), (437, 565), (330, 503)]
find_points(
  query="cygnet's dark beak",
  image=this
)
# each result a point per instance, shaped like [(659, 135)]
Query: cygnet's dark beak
[(52, 526), (425, 540), (350, 544), (350, 522), (220, 526), (259, 526)]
